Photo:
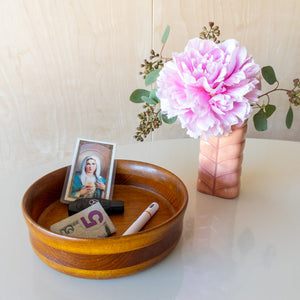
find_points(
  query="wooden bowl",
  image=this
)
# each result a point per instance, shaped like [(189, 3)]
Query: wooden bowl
[(138, 184)]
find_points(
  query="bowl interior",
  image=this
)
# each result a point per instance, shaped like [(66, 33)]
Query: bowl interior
[(136, 183)]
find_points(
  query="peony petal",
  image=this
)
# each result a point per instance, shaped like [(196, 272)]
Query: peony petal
[(209, 87)]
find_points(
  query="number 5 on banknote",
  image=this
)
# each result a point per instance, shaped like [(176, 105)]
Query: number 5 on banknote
[(90, 217), (92, 222)]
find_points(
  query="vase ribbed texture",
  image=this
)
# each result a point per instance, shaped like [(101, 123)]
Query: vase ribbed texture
[(220, 164)]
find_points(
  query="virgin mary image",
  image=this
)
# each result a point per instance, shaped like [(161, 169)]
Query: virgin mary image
[(88, 182)]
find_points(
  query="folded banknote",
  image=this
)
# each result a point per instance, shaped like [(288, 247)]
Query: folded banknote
[(92, 222)]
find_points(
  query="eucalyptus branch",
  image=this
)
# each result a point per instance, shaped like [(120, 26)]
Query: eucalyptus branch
[(273, 90), (149, 121), (161, 50), (260, 118)]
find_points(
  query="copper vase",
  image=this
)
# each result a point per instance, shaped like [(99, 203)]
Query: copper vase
[(220, 164)]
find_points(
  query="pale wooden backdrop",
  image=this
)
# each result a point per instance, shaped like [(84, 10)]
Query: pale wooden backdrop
[(67, 67)]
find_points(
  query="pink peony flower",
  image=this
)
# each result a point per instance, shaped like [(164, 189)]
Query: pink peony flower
[(209, 86)]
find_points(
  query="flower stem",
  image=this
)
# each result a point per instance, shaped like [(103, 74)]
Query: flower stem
[(161, 50), (271, 91)]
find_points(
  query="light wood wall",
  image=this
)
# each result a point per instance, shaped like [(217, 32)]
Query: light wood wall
[(67, 67)]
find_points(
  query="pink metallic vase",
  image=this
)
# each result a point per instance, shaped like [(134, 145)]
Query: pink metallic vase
[(220, 164)]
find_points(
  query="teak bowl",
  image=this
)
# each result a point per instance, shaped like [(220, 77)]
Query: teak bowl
[(136, 183)]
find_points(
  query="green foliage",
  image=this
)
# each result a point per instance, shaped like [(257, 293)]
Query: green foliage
[(260, 121), (167, 120), (152, 76), (151, 99), (260, 118), (268, 74), (289, 118), (269, 109), (153, 96), (165, 35), (139, 95), (148, 100)]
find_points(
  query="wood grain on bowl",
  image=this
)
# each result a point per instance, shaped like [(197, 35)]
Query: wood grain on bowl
[(136, 183)]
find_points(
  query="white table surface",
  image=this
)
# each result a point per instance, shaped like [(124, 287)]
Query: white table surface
[(246, 248)]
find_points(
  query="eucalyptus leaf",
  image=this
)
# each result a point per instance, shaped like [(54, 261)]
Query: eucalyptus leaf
[(159, 115), (289, 118), (148, 100), (260, 121), (152, 76), (136, 96), (153, 96), (268, 74), (165, 35), (167, 120), (269, 110)]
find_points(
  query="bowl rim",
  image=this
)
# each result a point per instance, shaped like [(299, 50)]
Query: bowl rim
[(33, 223)]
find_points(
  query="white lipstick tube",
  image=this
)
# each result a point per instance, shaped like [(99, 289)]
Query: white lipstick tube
[(140, 222)]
